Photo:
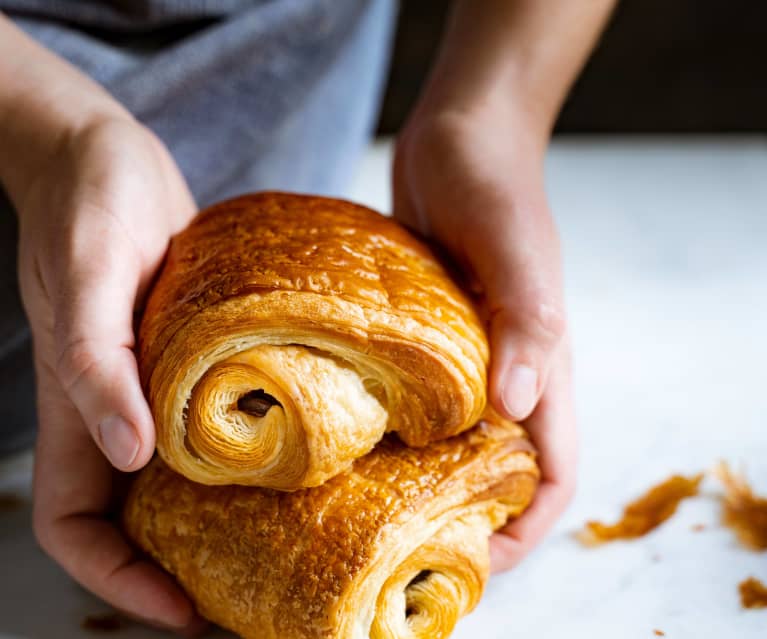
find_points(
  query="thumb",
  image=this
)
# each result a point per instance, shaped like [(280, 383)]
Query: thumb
[(93, 347), (516, 260)]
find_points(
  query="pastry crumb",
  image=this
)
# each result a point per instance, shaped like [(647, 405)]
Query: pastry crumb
[(698, 527), (753, 593), (659, 633), (645, 513), (742, 510), (108, 622)]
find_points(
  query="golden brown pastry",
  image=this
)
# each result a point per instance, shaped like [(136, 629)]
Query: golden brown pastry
[(287, 333), (397, 548)]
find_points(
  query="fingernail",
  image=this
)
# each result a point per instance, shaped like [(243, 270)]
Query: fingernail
[(520, 391), (119, 441)]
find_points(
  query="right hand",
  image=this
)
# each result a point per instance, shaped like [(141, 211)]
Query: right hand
[(472, 179), (95, 218)]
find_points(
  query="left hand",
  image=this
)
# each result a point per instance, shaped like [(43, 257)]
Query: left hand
[(472, 180)]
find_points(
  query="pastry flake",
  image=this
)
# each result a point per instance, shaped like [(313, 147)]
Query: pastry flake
[(742, 510), (644, 514), (753, 593)]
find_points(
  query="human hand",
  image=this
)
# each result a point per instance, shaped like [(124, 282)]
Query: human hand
[(473, 181), (469, 173), (95, 217)]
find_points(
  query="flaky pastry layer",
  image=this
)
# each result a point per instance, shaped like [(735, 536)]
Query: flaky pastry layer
[(287, 334), (396, 548)]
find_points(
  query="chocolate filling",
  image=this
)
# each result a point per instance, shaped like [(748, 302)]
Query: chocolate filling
[(256, 403), (417, 579)]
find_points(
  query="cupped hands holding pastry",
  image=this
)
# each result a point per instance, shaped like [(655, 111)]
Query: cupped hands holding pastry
[(97, 197)]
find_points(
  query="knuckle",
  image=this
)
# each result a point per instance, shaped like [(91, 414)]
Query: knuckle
[(76, 360), (545, 318)]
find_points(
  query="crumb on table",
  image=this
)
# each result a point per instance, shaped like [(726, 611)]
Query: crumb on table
[(753, 593), (743, 511), (645, 513)]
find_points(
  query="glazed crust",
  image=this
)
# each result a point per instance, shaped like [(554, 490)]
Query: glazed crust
[(395, 548), (346, 321)]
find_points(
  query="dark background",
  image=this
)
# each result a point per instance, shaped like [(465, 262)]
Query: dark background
[(662, 66)]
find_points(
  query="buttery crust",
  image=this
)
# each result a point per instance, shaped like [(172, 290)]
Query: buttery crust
[(345, 320), (395, 548)]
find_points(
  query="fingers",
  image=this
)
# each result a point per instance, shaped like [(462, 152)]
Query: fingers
[(552, 429), (514, 253), (489, 210), (93, 339), (97, 235), (73, 493)]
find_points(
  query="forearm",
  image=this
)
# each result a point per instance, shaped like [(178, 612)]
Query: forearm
[(526, 52), (42, 99)]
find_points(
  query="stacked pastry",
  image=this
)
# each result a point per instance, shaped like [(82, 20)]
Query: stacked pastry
[(316, 379)]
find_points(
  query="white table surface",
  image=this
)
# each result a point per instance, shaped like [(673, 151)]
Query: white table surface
[(665, 245)]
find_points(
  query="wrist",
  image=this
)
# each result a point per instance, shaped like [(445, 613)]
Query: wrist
[(43, 102), (496, 121), (518, 56), (35, 138), (500, 97)]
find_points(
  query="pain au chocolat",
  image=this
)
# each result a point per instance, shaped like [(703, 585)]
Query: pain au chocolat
[(396, 548), (287, 334)]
